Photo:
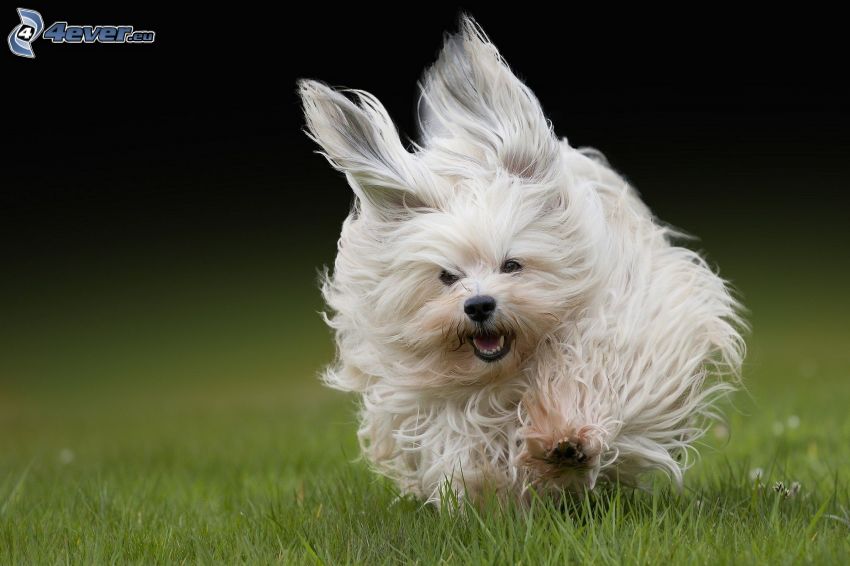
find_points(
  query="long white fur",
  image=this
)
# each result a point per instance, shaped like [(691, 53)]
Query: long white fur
[(623, 341)]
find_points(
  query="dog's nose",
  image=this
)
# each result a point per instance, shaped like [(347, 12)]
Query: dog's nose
[(480, 307)]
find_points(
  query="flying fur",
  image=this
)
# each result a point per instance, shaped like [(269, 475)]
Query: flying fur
[(621, 340)]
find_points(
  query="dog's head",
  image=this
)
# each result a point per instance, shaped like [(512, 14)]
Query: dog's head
[(462, 256)]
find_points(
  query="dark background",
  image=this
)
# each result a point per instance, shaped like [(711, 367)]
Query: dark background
[(163, 215)]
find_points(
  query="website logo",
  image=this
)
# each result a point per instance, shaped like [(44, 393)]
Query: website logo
[(31, 26), (25, 33)]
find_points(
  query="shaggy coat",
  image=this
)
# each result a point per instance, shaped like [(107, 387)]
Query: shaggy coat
[(614, 342)]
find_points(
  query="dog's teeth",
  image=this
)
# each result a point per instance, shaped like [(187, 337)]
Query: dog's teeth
[(490, 345)]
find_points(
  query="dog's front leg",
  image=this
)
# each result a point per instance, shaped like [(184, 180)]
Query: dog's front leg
[(562, 445)]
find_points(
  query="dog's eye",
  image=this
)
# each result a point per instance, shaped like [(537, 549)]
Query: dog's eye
[(511, 266), (448, 278)]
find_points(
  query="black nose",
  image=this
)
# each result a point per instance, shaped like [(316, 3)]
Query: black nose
[(480, 307)]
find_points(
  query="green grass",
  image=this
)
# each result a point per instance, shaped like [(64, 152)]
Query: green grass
[(199, 434)]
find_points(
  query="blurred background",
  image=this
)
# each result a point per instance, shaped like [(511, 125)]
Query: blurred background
[(163, 217)]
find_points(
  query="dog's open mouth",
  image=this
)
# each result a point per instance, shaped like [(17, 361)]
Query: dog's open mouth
[(490, 346)]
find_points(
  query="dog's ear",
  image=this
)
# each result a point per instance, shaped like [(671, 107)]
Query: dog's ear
[(471, 94), (359, 138)]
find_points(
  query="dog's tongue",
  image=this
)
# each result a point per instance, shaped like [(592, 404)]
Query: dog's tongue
[(486, 341)]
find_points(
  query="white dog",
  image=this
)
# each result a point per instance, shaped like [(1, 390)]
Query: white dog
[(509, 311)]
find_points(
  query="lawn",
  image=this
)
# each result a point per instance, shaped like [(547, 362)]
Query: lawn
[(182, 422)]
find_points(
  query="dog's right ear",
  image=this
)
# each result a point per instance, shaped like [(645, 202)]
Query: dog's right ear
[(359, 139)]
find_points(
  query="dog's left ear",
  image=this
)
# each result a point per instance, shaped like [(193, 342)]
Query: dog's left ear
[(359, 138), (471, 94)]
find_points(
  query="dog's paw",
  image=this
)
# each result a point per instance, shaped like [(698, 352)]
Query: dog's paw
[(576, 450), (567, 460), (567, 452)]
